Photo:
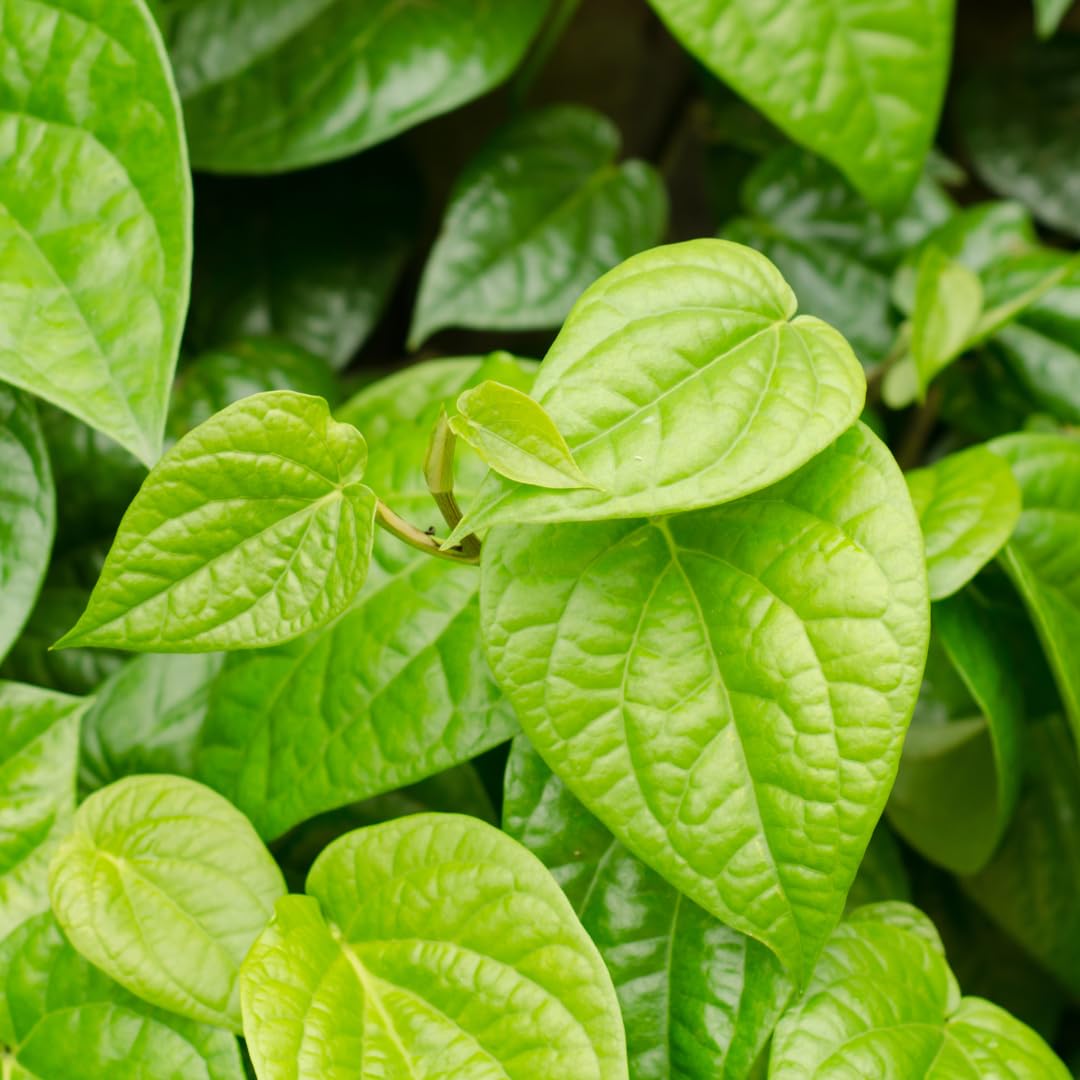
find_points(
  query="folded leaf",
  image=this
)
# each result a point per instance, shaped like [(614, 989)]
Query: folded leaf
[(252, 530), (490, 975), (164, 886)]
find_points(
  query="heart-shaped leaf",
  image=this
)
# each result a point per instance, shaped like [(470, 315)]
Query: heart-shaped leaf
[(164, 885), (699, 999), (727, 690), (95, 215), (689, 337), (430, 946), (252, 530)]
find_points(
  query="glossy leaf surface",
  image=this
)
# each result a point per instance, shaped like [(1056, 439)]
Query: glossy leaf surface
[(538, 215), (695, 336), (859, 83), (164, 886), (492, 977), (736, 730), (253, 529), (699, 1000), (95, 214)]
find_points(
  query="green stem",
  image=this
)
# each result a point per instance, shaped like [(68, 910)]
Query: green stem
[(542, 50), (439, 475), (417, 538)]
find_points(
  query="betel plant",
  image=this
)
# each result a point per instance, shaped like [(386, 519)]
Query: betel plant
[(754, 630)]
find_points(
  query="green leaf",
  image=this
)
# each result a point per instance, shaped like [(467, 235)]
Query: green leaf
[(1005, 302), (490, 975), (968, 505), (39, 745), (540, 213), (27, 513), (699, 1000), (164, 886), (1043, 557), (1048, 15), (252, 530), (1018, 120), (884, 1002), (147, 718), (706, 325), (514, 435), (861, 84), (95, 214), (882, 874), (960, 772), (312, 257), (735, 726), (63, 1018), (269, 86), (397, 689)]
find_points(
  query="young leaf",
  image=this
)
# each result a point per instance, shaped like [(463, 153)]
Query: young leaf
[(1043, 557), (735, 729), (884, 1002), (95, 215), (699, 1000), (492, 975), (690, 337), (39, 746), (65, 1018), (27, 513), (268, 88), (397, 688), (252, 530), (968, 505), (861, 84), (164, 886), (539, 214), (514, 435)]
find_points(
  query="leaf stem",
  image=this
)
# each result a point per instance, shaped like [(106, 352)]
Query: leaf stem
[(542, 50), (923, 422), (439, 475), (417, 538)]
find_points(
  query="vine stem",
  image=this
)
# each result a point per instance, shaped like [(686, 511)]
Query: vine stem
[(417, 538), (542, 50)]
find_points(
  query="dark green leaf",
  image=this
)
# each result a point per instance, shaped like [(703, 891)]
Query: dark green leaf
[(882, 874)]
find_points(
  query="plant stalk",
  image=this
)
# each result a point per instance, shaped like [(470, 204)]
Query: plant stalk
[(422, 541), (439, 476)]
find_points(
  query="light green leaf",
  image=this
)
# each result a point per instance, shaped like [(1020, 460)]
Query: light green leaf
[(514, 435), (270, 86), (27, 513), (883, 1002), (735, 726), (252, 530), (1043, 556), (147, 718), (164, 886), (689, 337), (95, 214), (699, 1000), (859, 83), (960, 772), (1005, 302), (1048, 15), (397, 689), (39, 745), (491, 975), (968, 505), (63, 1018), (540, 213)]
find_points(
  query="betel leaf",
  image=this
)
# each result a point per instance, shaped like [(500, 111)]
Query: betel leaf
[(968, 505), (1048, 15), (861, 84), (699, 337), (147, 718), (1043, 557), (252, 530), (39, 746), (95, 214), (397, 689), (64, 1018), (882, 874), (27, 513), (699, 1000), (164, 886), (883, 1001), (960, 772), (734, 728), (430, 946), (270, 86), (514, 435), (540, 213)]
